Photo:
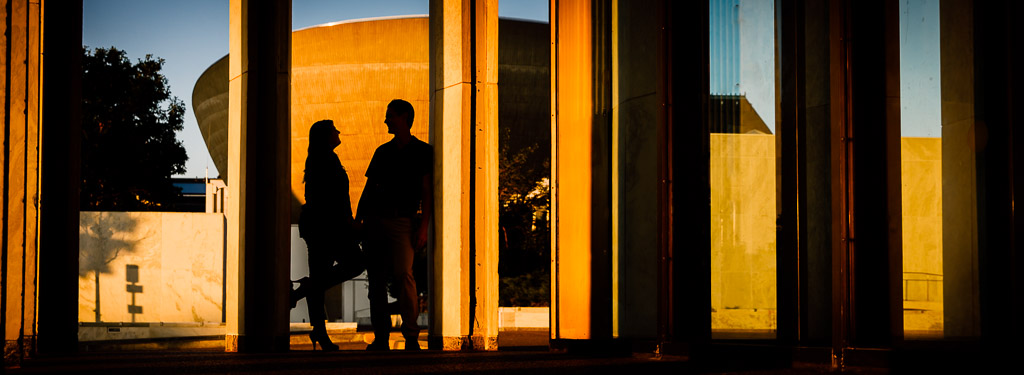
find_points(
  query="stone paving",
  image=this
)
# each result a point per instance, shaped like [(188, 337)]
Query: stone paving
[(523, 351)]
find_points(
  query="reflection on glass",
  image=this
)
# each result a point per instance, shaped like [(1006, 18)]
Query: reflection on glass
[(938, 176), (743, 175), (921, 168)]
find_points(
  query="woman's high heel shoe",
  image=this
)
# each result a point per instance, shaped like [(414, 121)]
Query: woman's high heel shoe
[(320, 335), (298, 293)]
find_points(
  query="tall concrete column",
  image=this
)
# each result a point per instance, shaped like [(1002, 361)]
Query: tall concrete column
[(638, 100), (571, 153), (803, 127), (20, 164), (258, 192), (464, 133), (690, 161), (998, 138), (485, 175), (60, 151), (815, 177), (867, 262), (961, 309)]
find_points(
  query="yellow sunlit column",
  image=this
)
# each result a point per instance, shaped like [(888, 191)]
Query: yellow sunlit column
[(15, 169), (33, 126), (464, 114), (234, 284), (485, 325), (19, 90), (571, 168), (449, 93)]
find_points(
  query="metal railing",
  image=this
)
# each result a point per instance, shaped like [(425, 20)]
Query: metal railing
[(928, 278)]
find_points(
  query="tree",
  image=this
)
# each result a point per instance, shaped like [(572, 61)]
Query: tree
[(129, 120), (524, 202)]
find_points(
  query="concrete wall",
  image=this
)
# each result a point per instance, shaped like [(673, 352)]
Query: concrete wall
[(523, 318), (922, 233), (180, 268), (743, 232), (180, 260)]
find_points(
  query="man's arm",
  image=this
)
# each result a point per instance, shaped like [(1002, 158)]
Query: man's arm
[(361, 207), (427, 194), (368, 188)]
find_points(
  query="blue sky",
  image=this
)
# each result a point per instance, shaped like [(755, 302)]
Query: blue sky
[(742, 60), (190, 35), (742, 54), (920, 77)]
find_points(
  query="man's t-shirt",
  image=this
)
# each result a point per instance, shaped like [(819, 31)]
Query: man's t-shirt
[(396, 175)]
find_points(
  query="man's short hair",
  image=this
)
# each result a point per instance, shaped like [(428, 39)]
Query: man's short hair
[(402, 107)]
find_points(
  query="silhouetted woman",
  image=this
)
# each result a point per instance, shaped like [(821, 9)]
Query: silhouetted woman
[(326, 225)]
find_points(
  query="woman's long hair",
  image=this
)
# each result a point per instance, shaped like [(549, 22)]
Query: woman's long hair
[(320, 135), (319, 141)]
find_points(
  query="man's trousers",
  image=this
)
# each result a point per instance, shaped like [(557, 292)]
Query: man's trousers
[(389, 253)]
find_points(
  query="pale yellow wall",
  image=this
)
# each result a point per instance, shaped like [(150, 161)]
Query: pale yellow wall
[(180, 258), (743, 231), (922, 233), (743, 284)]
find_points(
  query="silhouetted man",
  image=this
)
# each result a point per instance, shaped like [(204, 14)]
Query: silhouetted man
[(399, 183)]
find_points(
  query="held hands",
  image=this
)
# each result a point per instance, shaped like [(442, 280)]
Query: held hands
[(420, 237)]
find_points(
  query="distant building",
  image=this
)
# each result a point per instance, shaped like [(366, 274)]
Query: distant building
[(348, 71), (734, 114), (191, 198), (216, 195)]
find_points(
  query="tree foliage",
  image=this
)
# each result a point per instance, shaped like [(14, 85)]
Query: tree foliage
[(129, 120), (525, 235)]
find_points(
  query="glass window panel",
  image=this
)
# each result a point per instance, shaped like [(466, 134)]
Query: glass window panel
[(938, 175), (743, 173)]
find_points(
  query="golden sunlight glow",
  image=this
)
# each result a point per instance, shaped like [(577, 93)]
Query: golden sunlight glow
[(743, 297), (572, 173), (921, 172)]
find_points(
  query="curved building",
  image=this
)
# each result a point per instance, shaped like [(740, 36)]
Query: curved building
[(349, 71)]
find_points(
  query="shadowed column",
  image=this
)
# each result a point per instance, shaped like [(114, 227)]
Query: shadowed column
[(804, 247), (58, 207), (258, 193), (959, 176)]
